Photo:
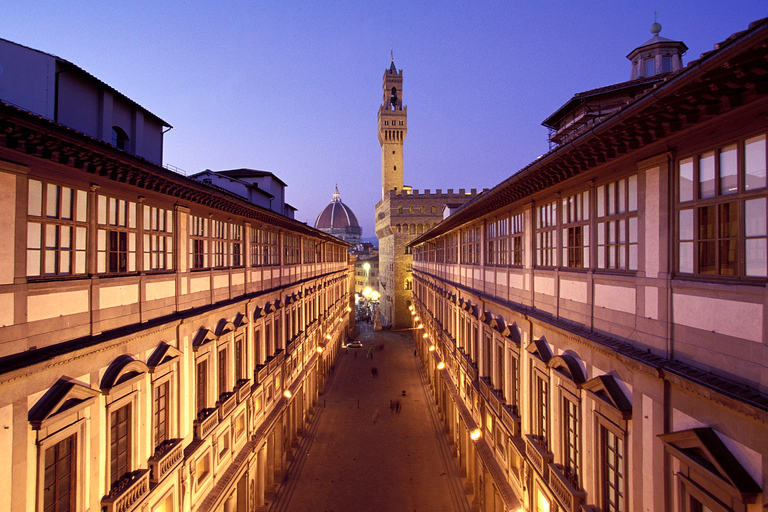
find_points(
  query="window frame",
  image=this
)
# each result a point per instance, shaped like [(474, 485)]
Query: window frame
[(77, 224), (697, 196)]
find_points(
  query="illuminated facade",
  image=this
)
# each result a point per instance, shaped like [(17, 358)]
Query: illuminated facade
[(603, 328), (162, 342)]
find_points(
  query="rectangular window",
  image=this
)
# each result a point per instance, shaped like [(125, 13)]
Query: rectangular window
[(236, 240), (265, 248), (223, 388), (575, 219), (198, 242), (516, 240), (56, 230), (617, 228), (59, 480), (219, 244), (292, 245), (546, 234), (721, 211), (160, 413), (120, 443), (540, 409), (612, 470), (239, 359), (571, 441), (158, 239), (116, 236), (497, 233), (201, 395)]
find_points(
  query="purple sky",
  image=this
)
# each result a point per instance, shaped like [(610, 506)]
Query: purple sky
[(294, 87)]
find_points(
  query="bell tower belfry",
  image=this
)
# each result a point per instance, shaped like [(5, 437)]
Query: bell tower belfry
[(392, 129)]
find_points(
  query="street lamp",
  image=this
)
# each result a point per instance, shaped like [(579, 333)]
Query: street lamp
[(475, 434)]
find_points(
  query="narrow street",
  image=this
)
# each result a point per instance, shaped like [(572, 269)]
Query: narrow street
[(358, 454)]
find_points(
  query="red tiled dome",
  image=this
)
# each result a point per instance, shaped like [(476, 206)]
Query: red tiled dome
[(336, 215)]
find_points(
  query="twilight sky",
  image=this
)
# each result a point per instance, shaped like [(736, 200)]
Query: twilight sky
[(293, 87)]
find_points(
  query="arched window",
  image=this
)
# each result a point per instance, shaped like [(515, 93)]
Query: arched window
[(119, 138), (400, 209), (409, 284)]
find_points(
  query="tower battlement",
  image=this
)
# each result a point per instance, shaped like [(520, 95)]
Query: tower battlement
[(427, 193)]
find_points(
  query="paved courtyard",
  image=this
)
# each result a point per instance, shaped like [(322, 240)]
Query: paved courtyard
[(360, 455)]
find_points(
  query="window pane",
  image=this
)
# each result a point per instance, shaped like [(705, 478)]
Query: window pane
[(754, 217), (686, 224), (754, 163), (707, 222), (728, 255), (632, 193), (729, 221), (35, 198), (685, 263), (52, 201), (707, 257), (685, 181), (756, 257), (66, 203), (707, 175), (82, 206), (102, 210), (728, 171), (601, 201)]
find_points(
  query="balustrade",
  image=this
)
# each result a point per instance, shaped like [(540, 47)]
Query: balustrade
[(205, 422), (127, 493), (565, 488), (165, 459)]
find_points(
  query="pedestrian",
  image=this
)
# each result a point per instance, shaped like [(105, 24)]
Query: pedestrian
[(373, 371), (375, 415), (391, 406), (397, 406)]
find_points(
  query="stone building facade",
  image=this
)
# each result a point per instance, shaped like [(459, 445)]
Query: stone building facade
[(402, 212), (162, 342), (594, 327)]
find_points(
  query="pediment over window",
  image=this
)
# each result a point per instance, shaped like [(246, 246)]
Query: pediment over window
[(540, 348), (122, 370), (259, 312), (269, 307), (289, 300), (512, 332), (164, 353), (702, 447), (223, 327), (608, 390), (65, 396), (240, 320), (497, 323), (278, 304), (202, 337), (568, 366)]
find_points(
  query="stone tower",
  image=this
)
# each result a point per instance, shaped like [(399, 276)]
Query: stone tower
[(392, 129)]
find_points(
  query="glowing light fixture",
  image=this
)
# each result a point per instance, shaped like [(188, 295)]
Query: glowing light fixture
[(425, 335), (287, 393), (420, 326), (415, 319), (431, 348), (328, 336), (440, 365), (319, 350), (349, 309), (475, 434)]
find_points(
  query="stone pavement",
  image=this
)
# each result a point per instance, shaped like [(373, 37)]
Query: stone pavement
[(358, 455)]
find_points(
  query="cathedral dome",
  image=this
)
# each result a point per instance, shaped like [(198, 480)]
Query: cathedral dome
[(337, 219)]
